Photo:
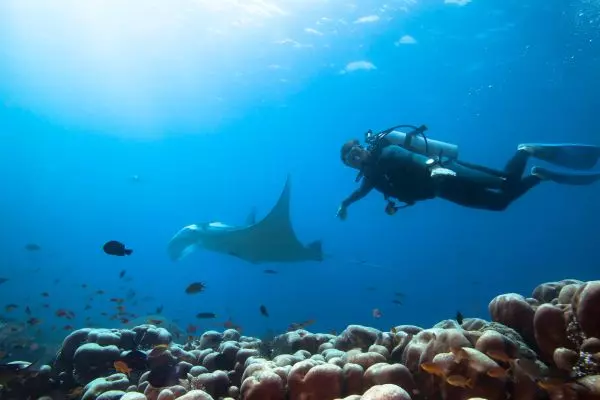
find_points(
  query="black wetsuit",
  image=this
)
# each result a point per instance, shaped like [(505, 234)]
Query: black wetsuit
[(404, 175)]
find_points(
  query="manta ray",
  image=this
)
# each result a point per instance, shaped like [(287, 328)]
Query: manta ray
[(272, 239)]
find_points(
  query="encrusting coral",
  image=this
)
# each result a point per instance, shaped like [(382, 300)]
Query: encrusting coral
[(543, 347)]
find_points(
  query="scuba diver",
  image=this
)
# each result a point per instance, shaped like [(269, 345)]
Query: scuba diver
[(410, 167)]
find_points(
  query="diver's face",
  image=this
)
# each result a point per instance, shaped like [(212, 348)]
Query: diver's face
[(356, 157)]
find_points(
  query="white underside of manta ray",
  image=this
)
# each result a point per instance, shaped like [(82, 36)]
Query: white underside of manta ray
[(270, 240)]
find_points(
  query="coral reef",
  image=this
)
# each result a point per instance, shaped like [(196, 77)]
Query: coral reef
[(543, 347)]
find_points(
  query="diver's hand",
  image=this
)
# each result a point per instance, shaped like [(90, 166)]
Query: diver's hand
[(342, 213)]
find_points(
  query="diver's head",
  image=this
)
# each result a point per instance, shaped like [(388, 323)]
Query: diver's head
[(353, 154)]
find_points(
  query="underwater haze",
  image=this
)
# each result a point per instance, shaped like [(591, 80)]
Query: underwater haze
[(129, 120)]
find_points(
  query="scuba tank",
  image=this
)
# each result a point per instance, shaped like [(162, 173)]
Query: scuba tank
[(414, 141)]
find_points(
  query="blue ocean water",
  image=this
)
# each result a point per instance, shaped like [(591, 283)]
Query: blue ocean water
[(213, 104)]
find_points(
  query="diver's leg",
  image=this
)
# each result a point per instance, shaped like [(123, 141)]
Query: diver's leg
[(468, 193), (476, 195), (514, 191), (513, 170), (516, 165)]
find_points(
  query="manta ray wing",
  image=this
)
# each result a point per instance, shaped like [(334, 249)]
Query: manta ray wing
[(272, 239)]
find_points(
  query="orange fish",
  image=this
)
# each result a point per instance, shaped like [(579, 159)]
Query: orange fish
[(229, 324), (122, 367), (551, 384), (432, 368), (10, 307), (459, 381)]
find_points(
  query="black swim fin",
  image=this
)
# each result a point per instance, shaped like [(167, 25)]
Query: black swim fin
[(579, 178), (568, 155)]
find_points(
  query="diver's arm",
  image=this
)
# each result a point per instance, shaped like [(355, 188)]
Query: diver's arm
[(364, 189)]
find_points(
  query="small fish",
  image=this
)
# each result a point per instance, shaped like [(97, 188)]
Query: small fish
[(100, 291), (3, 280), (122, 367), (398, 302), (376, 313), (32, 247), (195, 287), (159, 309), (270, 271), (192, 328), (432, 368), (154, 321), (68, 328), (27, 310), (10, 307), (459, 317), (264, 311), (294, 326), (122, 274), (34, 321), (229, 324), (61, 313), (15, 370), (87, 307), (206, 315), (459, 381), (398, 294), (115, 248), (45, 294)]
